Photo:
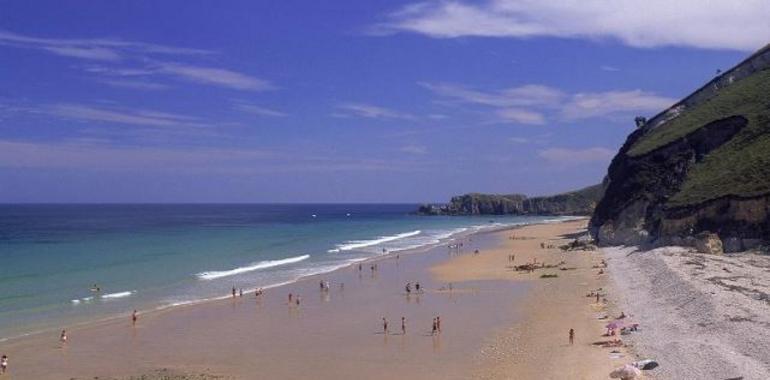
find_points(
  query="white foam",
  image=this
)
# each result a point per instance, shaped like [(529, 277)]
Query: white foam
[(118, 295), (356, 244), (250, 268)]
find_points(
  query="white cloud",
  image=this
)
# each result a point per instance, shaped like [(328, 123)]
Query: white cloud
[(371, 112), (518, 140), (121, 116), (215, 76), (414, 149), (522, 96), (520, 116), (134, 85), (92, 48), (95, 53), (569, 157), (258, 110), (535, 104), (715, 24), (588, 105)]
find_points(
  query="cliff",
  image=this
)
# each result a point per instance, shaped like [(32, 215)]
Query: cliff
[(580, 202), (698, 169)]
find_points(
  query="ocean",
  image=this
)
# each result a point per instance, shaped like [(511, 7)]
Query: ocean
[(149, 257)]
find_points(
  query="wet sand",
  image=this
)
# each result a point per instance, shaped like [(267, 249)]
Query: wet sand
[(331, 335), (496, 324)]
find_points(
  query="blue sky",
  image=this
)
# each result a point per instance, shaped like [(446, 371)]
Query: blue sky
[(344, 101)]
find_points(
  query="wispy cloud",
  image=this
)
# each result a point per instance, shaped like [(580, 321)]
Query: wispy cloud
[(588, 105), (536, 104), (371, 112), (134, 84), (723, 24), (102, 49), (85, 154), (570, 157), (415, 149), (137, 59), (519, 140), (214, 76), (258, 110), (121, 116), (522, 96), (521, 116), (608, 68)]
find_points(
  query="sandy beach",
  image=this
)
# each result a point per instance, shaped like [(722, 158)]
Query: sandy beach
[(496, 323)]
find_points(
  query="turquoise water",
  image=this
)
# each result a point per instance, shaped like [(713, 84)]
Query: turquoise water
[(155, 256)]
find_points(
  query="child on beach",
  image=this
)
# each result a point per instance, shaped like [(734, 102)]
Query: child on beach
[(4, 364), (63, 336)]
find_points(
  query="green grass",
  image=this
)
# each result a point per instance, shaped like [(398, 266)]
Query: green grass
[(739, 167)]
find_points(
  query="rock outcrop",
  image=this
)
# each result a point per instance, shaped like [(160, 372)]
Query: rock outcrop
[(580, 202), (697, 172)]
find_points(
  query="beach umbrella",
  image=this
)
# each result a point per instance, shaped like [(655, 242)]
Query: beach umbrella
[(614, 325), (626, 372)]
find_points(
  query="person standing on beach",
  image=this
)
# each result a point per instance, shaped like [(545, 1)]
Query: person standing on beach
[(63, 336), (233, 291), (571, 336), (384, 326), (433, 332), (417, 287), (438, 324), (3, 364), (134, 317), (290, 298), (298, 298), (403, 326)]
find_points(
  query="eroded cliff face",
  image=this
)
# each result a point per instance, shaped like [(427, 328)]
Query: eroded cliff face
[(698, 175), (634, 209)]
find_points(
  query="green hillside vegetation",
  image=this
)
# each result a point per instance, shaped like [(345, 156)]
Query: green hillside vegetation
[(740, 167)]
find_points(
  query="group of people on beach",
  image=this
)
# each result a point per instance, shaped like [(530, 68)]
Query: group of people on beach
[(408, 288), (435, 329)]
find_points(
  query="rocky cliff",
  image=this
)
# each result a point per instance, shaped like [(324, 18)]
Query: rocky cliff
[(580, 202), (698, 170)]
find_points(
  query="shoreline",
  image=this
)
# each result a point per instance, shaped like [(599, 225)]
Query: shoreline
[(448, 356), (171, 306)]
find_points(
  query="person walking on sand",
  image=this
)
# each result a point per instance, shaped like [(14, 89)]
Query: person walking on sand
[(233, 291), (403, 326), (433, 332), (438, 324), (63, 336), (3, 364), (571, 336), (384, 326), (134, 317)]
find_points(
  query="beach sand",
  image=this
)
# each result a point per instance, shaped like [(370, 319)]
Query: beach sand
[(536, 346), (496, 324)]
